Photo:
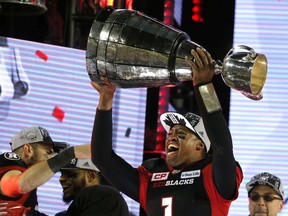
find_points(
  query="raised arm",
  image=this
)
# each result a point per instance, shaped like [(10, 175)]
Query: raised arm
[(115, 169), (223, 164), (15, 182)]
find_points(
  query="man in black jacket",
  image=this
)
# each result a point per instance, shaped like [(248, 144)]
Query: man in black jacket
[(80, 181)]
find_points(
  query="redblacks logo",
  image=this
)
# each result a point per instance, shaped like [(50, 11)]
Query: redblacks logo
[(160, 176)]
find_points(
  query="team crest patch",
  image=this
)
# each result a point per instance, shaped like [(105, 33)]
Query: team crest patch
[(11, 156)]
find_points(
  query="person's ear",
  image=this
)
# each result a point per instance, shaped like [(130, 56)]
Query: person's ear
[(27, 149), (92, 176), (200, 146), (281, 206)]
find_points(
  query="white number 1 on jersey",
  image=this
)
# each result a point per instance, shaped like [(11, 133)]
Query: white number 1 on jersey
[(167, 204)]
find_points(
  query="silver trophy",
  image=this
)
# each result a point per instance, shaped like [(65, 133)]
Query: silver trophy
[(130, 49)]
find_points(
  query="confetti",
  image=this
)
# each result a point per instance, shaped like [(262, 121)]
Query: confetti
[(58, 113), (41, 55)]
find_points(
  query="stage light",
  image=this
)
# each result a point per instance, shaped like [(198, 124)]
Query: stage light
[(197, 11)]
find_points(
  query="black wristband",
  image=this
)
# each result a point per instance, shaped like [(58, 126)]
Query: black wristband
[(62, 159)]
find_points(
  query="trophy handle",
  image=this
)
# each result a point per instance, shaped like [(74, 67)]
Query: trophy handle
[(244, 70), (250, 55)]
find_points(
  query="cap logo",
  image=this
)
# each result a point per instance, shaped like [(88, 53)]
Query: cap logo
[(200, 133), (73, 161), (264, 178), (86, 164), (172, 119), (11, 156), (31, 136), (193, 119)]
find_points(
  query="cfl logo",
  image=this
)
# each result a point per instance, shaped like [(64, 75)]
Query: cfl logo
[(160, 176)]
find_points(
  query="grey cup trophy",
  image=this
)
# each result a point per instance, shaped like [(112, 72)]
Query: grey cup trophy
[(130, 49)]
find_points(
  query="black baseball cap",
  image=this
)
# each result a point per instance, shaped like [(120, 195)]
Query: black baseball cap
[(268, 179)]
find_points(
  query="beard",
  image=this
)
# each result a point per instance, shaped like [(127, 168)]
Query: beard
[(70, 193)]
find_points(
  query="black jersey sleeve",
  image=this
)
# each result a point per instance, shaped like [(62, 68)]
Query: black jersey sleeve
[(223, 162), (114, 168)]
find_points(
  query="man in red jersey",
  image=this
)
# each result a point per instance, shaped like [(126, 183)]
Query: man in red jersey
[(32, 162), (189, 181)]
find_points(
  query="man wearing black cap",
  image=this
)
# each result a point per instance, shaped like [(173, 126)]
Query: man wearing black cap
[(80, 181), (32, 162), (266, 194), (189, 181)]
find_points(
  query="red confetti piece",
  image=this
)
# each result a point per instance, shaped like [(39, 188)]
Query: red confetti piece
[(58, 113), (41, 55)]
